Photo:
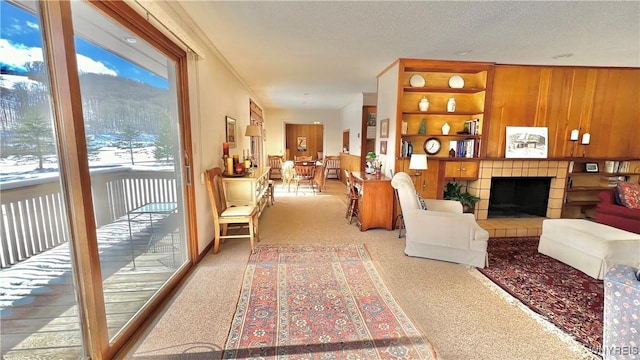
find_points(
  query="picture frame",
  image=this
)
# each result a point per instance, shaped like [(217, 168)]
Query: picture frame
[(231, 131), (384, 128), (591, 167), (526, 142), (301, 142), (383, 147)]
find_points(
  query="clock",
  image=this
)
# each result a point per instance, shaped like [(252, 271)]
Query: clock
[(432, 146)]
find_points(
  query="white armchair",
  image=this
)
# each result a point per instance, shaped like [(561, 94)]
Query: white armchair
[(442, 231)]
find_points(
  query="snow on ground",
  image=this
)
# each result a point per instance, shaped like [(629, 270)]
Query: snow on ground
[(15, 168)]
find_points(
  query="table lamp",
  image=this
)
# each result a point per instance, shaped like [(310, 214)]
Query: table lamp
[(253, 130), (418, 163)]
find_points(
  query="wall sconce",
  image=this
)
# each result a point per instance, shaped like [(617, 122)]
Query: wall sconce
[(575, 134), (418, 163), (586, 139)]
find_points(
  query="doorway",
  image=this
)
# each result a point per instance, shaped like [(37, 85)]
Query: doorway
[(304, 140)]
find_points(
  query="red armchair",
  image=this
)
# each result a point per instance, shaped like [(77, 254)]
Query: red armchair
[(608, 212)]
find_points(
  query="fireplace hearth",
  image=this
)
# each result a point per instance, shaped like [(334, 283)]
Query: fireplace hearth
[(518, 197)]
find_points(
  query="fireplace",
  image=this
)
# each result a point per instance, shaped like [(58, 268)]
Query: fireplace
[(517, 197)]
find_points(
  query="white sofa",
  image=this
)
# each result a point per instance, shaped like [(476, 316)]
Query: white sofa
[(443, 231)]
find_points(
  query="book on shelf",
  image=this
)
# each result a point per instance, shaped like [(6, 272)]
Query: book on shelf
[(469, 148), (613, 167), (472, 127), (612, 181)]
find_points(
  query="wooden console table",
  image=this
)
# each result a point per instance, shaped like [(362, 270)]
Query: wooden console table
[(375, 201), (248, 190)]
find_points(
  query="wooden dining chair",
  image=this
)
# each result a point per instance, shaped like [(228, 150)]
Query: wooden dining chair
[(304, 173), (332, 166), (275, 164), (303, 158), (225, 217), (347, 180)]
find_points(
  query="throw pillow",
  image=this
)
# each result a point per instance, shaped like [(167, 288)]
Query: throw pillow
[(421, 202), (629, 194), (616, 196)]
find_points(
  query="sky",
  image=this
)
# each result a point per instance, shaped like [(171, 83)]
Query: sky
[(20, 42)]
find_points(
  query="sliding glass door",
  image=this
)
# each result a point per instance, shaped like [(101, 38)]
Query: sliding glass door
[(76, 281)]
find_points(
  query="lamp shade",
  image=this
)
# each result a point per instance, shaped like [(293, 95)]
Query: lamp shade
[(253, 130), (418, 162)]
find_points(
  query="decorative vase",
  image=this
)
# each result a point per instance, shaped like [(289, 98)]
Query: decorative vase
[(378, 173), (423, 104), (423, 127), (451, 105), (445, 129), (405, 127)]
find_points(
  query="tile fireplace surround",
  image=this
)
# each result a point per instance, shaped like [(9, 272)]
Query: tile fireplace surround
[(557, 170)]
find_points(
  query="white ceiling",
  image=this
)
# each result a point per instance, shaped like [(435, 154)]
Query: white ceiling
[(321, 54)]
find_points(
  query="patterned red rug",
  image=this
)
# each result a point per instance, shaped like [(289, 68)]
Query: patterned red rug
[(566, 297), (319, 300)]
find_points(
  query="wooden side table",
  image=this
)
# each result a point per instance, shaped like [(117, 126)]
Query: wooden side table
[(375, 201)]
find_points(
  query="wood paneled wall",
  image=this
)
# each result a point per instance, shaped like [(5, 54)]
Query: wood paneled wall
[(604, 102), (313, 134)]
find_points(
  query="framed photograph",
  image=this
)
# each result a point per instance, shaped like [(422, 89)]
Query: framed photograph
[(383, 147), (591, 167), (526, 142), (231, 131), (302, 143), (384, 128)]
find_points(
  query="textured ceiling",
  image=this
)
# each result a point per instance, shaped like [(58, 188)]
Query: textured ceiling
[(321, 54)]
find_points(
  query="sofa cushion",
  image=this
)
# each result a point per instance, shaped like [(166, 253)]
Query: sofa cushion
[(629, 194)]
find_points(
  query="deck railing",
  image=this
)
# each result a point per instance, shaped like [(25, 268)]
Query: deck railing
[(33, 219)]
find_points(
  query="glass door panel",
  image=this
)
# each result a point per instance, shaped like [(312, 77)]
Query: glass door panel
[(131, 123), (38, 300)]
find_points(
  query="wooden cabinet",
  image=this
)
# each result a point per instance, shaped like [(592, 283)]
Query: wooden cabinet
[(461, 170), (248, 190), (375, 202), (583, 186)]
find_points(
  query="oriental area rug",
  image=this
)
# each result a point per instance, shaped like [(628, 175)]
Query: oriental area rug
[(564, 296), (319, 302)]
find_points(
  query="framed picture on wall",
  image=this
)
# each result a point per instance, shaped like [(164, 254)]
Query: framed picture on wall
[(526, 142), (383, 147), (231, 131), (591, 167), (302, 143), (384, 128)]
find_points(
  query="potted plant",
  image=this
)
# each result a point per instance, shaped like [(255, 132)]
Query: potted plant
[(453, 191)]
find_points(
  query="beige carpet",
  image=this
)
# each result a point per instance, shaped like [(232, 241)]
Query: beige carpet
[(462, 315)]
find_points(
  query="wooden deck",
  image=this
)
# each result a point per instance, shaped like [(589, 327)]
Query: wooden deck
[(38, 302)]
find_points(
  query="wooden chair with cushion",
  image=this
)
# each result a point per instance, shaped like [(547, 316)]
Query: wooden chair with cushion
[(304, 172), (223, 216), (332, 166), (275, 164)]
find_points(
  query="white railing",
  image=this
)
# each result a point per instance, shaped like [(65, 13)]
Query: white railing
[(33, 216)]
